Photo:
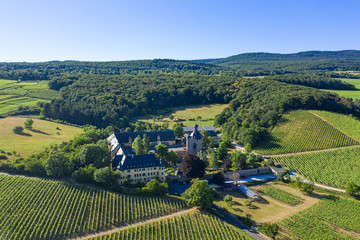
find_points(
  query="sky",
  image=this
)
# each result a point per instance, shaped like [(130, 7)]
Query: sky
[(104, 30)]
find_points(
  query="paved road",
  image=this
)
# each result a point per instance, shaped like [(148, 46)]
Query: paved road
[(240, 225)]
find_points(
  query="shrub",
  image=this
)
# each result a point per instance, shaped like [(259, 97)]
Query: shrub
[(18, 129), (154, 188), (3, 157), (270, 229)]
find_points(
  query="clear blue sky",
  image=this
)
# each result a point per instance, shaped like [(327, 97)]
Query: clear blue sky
[(105, 30)]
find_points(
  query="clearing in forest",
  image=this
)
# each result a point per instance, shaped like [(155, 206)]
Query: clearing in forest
[(335, 167), (47, 209), (203, 115), (43, 134), (301, 131)]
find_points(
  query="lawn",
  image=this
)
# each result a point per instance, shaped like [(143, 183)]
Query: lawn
[(203, 115), (45, 134)]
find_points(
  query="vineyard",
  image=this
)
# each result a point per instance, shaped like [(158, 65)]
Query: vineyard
[(46, 209), (333, 167), (300, 131), (345, 123), (281, 195), (329, 219), (194, 225)]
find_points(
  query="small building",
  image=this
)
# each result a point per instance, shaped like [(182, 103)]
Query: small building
[(229, 187), (276, 170), (252, 195), (194, 141)]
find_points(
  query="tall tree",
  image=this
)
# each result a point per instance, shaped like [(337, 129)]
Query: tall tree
[(193, 167), (94, 154), (146, 144), (199, 194), (222, 151), (28, 123), (161, 151), (178, 131), (58, 165), (238, 160), (138, 145), (213, 160)]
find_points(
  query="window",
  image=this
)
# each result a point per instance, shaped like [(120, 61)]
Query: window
[(158, 173), (129, 170), (162, 173), (154, 168)]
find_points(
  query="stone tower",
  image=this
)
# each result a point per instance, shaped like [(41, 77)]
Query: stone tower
[(194, 141)]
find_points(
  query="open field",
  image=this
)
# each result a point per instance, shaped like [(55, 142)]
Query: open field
[(345, 123), (14, 94), (188, 115), (329, 219), (268, 209), (46, 209), (45, 134), (355, 94), (194, 225), (300, 131), (334, 167)]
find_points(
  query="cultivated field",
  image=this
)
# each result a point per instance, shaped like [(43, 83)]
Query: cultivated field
[(194, 225), (329, 219), (188, 115), (334, 167), (14, 94), (347, 124), (281, 195), (300, 131), (44, 134), (45, 209), (354, 94)]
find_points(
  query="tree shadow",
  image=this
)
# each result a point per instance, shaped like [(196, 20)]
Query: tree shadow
[(25, 134), (39, 131)]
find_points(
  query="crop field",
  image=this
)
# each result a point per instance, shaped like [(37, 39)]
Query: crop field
[(14, 94), (44, 134), (328, 219), (300, 131), (45, 209), (281, 195), (189, 115), (194, 225), (334, 167), (345, 123), (354, 94)]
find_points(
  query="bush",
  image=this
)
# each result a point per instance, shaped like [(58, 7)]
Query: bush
[(3, 157), (84, 175), (154, 188), (352, 189), (18, 130), (270, 229), (106, 177)]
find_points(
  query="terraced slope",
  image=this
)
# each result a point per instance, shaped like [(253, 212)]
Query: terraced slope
[(334, 167), (45, 209), (191, 226), (301, 131)]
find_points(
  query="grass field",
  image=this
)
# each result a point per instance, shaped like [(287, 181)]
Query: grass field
[(345, 123), (354, 94), (268, 209), (46, 209), (300, 131), (193, 226), (334, 167), (188, 115), (43, 135), (329, 219), (14, 94)]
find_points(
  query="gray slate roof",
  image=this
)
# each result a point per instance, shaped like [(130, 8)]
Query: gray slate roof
[(126, 162), (206, 128), (166, 135)]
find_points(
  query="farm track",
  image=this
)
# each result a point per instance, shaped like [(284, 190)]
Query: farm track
[(136, 224)]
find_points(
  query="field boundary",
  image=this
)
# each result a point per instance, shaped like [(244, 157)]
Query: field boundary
[(136, 224), (316, 115)]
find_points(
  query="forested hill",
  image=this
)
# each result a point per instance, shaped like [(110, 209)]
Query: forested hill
[(47, 70), (275, 63), (103, 99)]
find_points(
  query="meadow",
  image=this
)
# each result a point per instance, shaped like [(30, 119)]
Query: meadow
[(193, 226), (188, 115), (28, 93), (47, 209), (334, 167), (44, 134), (354, 94), (331, 218), (300, 131)]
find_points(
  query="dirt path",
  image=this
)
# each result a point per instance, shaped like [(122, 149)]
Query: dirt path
[(307, 202), (136, 224)]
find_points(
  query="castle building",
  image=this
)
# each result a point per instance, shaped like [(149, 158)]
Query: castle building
[(194, 141)]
